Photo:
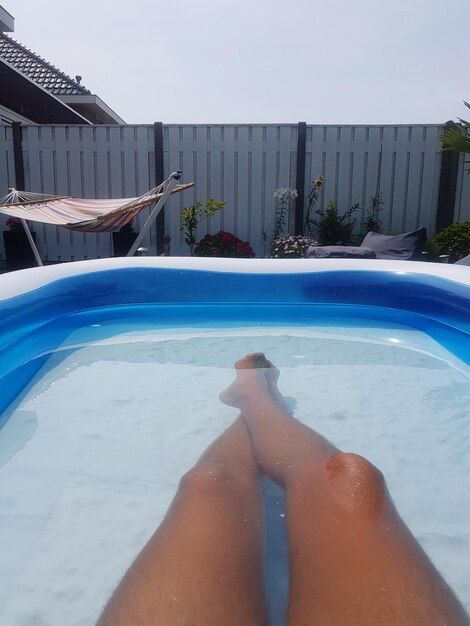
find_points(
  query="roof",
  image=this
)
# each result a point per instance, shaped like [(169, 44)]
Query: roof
[(37, 69)]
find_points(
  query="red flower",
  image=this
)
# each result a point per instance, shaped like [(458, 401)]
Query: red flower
[(223, 244)]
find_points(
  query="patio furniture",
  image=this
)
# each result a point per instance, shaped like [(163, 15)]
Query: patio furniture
[(407, 246), (464, 261)]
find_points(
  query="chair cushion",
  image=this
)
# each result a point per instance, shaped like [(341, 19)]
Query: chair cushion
[(339, 252), (404, 246), (464, 261)]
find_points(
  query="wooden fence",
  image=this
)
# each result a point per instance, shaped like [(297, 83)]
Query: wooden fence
[(240, 164)]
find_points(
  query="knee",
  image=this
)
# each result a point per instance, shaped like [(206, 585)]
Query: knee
[(357, 484), (205, 479)]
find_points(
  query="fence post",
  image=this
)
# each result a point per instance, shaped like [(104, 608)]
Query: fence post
[(18, 155), (300, 177), (159, 178), (447, 187)]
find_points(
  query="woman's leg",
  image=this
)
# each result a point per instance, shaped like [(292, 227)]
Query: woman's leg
[(205, 563), (353, 561)]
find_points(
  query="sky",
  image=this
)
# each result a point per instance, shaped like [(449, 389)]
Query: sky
[(260, 61)]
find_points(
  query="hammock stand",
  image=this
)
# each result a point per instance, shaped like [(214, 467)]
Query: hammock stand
[(88, 215)]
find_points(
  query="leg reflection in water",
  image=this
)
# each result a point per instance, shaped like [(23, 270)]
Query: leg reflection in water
[(353, 561)]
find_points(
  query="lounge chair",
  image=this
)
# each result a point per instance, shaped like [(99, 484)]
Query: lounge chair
[(407, 246)]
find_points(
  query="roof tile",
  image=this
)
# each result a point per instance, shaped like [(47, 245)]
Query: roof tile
[(37, 69)]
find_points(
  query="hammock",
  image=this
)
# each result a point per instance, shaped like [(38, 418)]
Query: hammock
[(85, 215), (89, 216)]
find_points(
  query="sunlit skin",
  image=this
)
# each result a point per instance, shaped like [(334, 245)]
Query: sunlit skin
[(353, 561)]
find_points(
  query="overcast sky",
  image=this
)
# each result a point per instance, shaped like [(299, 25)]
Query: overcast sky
[(208, 61)]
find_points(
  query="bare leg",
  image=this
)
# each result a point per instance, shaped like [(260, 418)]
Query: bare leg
[(205, 564), (353, 560)]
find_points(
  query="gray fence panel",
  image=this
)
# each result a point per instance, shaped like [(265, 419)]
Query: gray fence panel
[(242, 165)]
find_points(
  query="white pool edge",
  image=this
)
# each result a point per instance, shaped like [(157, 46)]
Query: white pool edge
[(22, 281)]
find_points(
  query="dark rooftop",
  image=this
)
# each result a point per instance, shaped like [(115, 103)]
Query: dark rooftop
[(37, 69)]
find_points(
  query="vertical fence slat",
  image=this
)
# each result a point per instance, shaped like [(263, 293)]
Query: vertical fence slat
[(229, 181), (214, 180), (90, 183), (242, 205), (33, 179), (412, 216), (48, 186), (344, 173), (331, 152), (386, 177), (74, 167), (286, 174), (401, 180), (359, 166), (372, 173), (272, 181), (62, 187), (256, 200)]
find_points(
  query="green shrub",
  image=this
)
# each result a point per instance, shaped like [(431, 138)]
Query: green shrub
[(372, 220), (333, 228), (453, 240), (191, 216)]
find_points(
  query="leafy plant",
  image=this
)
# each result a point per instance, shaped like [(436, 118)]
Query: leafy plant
[(291, 247), (284, 195), (372, 221), (453, 240), (223, 244), (457, 138), (333, 228), (309, 224), (192, 216)]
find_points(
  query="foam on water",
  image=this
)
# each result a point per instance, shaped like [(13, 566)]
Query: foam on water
[(92, 455)]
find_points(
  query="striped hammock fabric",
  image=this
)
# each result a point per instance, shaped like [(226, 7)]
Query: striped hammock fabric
[(86, 215)]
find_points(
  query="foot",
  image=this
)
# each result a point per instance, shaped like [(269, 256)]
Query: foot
[(272, 376), (255, 373)]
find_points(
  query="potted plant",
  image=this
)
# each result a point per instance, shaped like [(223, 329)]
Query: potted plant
[(123, 239), (18, 250)]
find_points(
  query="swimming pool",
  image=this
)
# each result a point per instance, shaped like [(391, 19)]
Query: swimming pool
[(109, 375)]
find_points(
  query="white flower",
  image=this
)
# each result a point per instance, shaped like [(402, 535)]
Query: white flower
[(280, 192), (293, 194)]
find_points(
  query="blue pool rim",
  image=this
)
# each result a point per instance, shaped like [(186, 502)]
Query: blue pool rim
[(185, 291)]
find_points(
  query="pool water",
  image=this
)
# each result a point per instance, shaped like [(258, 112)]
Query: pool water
[(92, 453)]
